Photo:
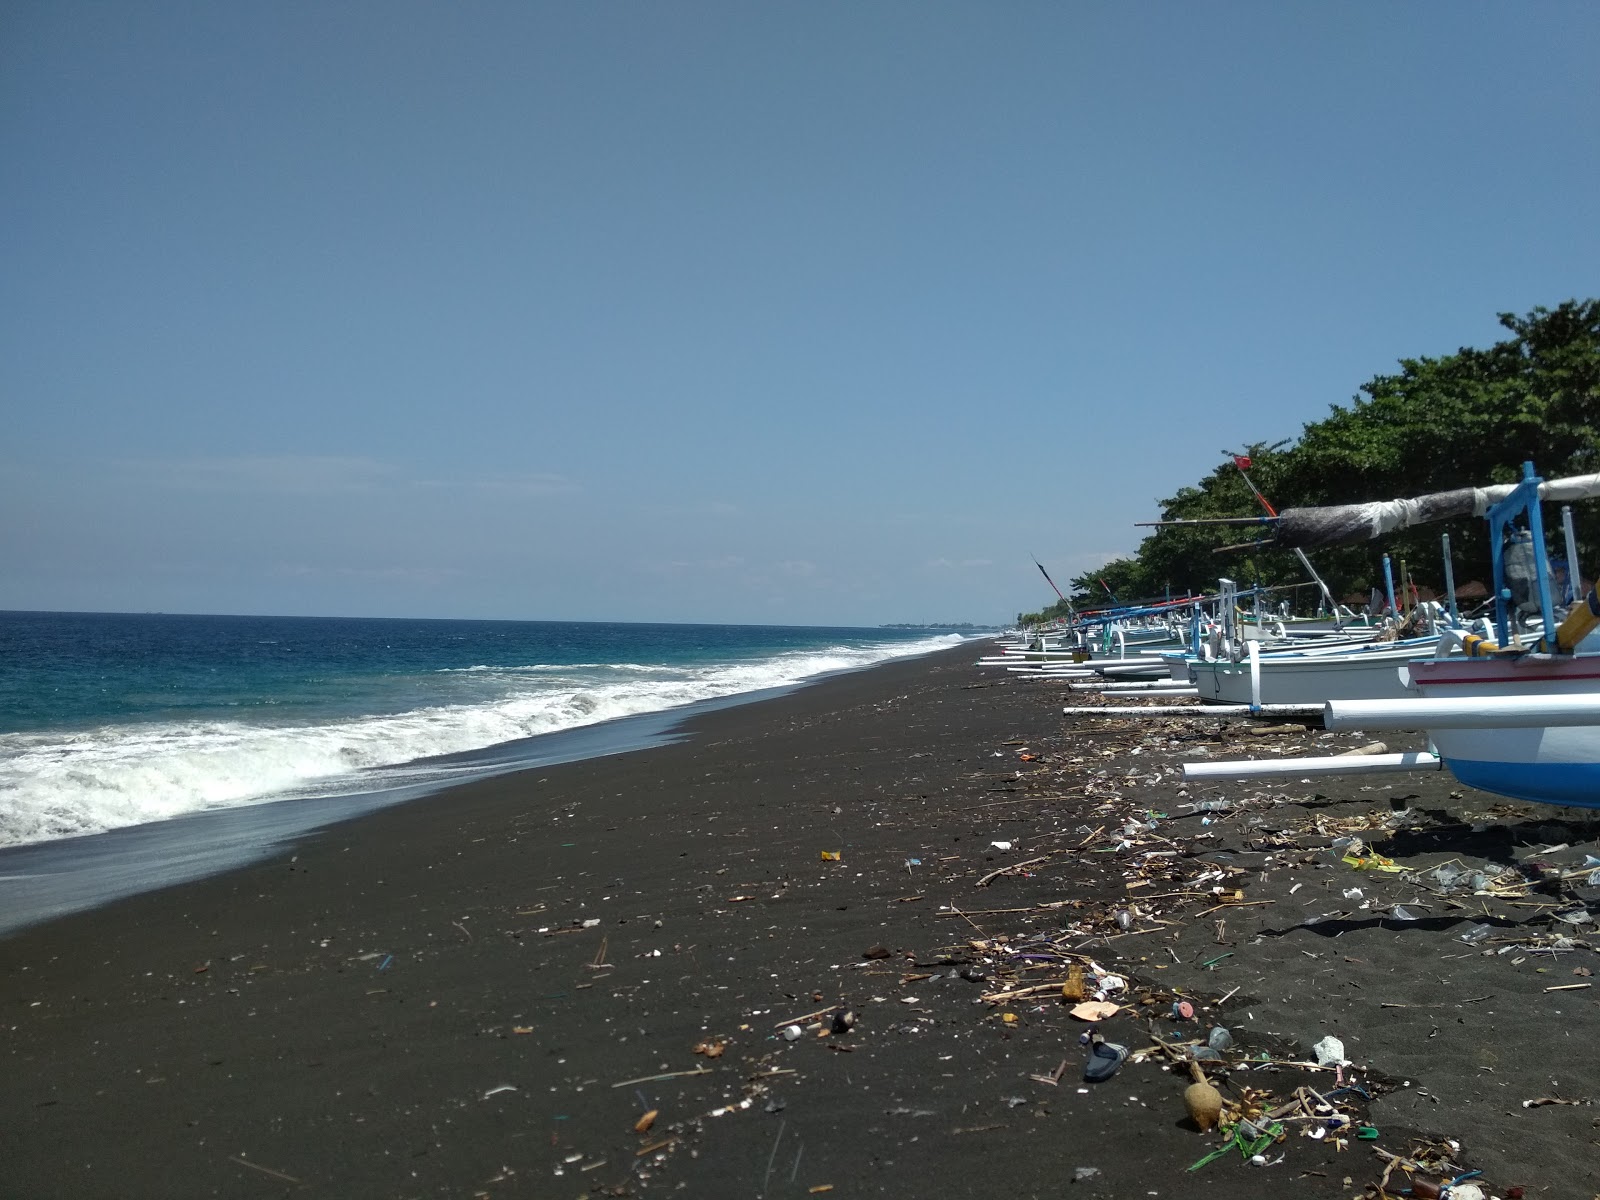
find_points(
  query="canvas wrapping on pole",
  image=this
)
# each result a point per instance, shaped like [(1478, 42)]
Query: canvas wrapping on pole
[(1309, 527)]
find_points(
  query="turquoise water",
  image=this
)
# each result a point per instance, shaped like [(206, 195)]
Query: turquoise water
[(116, 720)]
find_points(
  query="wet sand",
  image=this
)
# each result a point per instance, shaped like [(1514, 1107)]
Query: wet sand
[(484, 992)]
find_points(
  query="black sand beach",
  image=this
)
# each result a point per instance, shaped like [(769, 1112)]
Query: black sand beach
[(484, 993)]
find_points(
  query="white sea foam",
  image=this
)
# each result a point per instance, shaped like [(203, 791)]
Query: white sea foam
[(54, 785)]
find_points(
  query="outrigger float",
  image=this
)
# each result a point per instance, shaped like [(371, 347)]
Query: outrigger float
[(1519, 720)]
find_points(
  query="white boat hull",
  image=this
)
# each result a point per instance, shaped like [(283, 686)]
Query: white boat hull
[(1371, 675), (1557, 764)]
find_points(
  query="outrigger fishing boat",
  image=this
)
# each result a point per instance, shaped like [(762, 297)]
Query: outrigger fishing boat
[(1519, 717), (1312, 675)]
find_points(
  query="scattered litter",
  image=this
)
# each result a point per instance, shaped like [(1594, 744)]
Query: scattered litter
[(1096, 1010), (1329, 1052), (1105, 1058), (1202, 1100)]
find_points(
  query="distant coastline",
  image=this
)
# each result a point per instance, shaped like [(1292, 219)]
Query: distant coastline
[(961, 627)]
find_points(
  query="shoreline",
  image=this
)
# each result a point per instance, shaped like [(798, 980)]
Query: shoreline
[(485, 996), (40, 881)]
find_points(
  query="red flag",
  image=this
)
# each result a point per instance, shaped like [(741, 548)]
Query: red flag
[(1242, 461)]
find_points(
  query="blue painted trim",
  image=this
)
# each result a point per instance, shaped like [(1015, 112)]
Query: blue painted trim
[(1574, 784), (1524, 498)]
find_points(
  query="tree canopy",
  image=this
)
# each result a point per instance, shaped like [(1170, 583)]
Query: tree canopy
[(1464, 420)]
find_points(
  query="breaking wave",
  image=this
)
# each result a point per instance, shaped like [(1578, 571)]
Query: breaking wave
[(56, 784)]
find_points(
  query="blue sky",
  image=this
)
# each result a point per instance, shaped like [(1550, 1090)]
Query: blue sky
[(797, 313)]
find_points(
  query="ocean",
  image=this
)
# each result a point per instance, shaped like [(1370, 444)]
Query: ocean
[(191, 743)]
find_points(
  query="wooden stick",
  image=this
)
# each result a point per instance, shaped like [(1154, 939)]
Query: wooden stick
[(1037, 989), (821, 1012), (245, 1162), (667, 1075), (984, 882)]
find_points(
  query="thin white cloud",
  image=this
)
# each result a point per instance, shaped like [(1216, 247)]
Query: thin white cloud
[(322, 474), (430, 576), (296, 474), (537, 483)]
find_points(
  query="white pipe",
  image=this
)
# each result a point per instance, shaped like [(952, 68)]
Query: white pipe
[(1336, 764), (1133, 685), (1574, 576), (1255, 674), (1129, 689), (1193, 710), (1464, 712)]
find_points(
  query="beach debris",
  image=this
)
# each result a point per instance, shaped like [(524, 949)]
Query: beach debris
[(877, 952), (843, 1021), (1372, 861), (793, 1033), (642, 1125), (1010, 869), (495, 1091), (831, 855), (1084, 1174), (245, 1162), (1105, 1058), (1072, 985), (660, 1077), (1096, 1010), (1329, 1052), (1202, 1100), (1249, 1139), (1001, 845), (711, 1048), (1054, 1077)]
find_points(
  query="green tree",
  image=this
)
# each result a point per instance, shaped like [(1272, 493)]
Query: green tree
[(1462, 420)]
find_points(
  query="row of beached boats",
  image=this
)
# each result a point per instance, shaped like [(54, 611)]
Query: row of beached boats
[(1509, 704)]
